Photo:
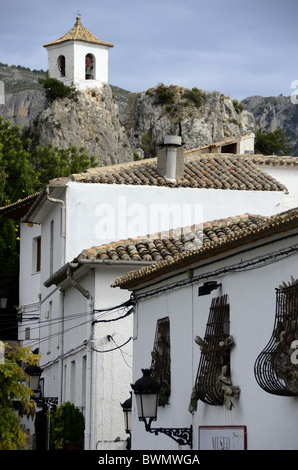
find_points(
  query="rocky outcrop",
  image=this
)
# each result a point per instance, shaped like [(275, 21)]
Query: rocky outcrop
[(199, 117), (91, 121), (273, 112), (117, 126), (23, 108)]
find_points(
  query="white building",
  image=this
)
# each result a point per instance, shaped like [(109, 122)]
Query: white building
[(65, 283), (228, 313), (79, 58)]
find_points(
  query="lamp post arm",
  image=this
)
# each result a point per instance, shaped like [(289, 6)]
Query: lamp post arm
[(183, 436)]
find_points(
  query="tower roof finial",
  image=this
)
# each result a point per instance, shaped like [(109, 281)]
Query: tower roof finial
[(78, 18)]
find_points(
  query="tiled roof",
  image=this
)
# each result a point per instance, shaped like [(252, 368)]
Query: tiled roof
[(247, 229), (217, 171), (79, 33), (17, 209), (273, 160), (169, 245)]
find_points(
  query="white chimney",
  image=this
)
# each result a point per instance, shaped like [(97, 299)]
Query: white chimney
[(170, 158)]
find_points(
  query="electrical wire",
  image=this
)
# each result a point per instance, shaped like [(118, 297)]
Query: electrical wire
[(113, 349), (57, 320), (253, 263)]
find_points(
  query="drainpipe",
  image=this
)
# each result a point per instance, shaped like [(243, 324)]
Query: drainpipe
[(63, 228)]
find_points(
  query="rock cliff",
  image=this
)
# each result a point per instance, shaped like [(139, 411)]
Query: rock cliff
[(116, 125), (91, 121), (199, 117), (275, 111)]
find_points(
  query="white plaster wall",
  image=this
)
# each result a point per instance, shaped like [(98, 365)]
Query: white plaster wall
[(99, 387), (75, 53), (247, 144), (112, 368), (66, 49), (100, 213), (30, 279), (288, 175), (270, 420), (100, 53)]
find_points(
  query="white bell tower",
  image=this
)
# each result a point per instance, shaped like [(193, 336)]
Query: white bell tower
[(79, 58)]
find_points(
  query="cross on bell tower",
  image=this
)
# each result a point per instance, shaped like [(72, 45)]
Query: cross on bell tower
[(79, 58)]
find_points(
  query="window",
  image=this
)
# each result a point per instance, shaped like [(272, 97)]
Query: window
[(213, 384), (276, 368), (61, 65), (51, 246), (36, 254), (89, 67), (161, 359), (73, 381), (49, 317)]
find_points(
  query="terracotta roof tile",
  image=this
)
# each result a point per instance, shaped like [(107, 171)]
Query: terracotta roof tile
[(219, 237), (79, 33), (218, 171), (169, 246)]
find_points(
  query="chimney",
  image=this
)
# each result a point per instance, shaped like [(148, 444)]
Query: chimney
[(170, 158)]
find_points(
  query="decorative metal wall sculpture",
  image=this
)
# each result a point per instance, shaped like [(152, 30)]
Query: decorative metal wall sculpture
[(213, 384), (161, 359), (276, 368)]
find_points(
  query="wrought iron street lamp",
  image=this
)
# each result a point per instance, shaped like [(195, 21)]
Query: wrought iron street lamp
[(34, 373), (126, 406), (146, 391)]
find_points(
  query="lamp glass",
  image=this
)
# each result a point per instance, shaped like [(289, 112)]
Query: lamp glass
[(147, 404), (3, 302), (127, 420), (33, 382)]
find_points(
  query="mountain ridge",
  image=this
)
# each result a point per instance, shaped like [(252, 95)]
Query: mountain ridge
[(200, 117)]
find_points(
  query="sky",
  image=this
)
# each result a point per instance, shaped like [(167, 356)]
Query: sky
[(239, 48)]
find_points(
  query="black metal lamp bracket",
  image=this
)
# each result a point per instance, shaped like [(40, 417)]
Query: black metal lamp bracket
[(183, 436)]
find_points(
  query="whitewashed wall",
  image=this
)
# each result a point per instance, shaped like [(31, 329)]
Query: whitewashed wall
[(119, 212), (74, 53), (270, 420)]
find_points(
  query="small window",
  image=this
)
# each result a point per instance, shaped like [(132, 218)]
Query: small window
[(51, 246), (161, 359), (89, 66), (61, 65), (36, 254)]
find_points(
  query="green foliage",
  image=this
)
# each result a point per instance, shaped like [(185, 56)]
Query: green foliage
[(13, 388), (67, 425), (164, 95), (239, 107), (54, 89), (24, 169), (272, 143), (49, 162), (195, 95), (147, 145)]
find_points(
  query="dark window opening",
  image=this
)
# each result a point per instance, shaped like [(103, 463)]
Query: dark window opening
[(161, 359), (61, 65), (37, 254), (89, 67)]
